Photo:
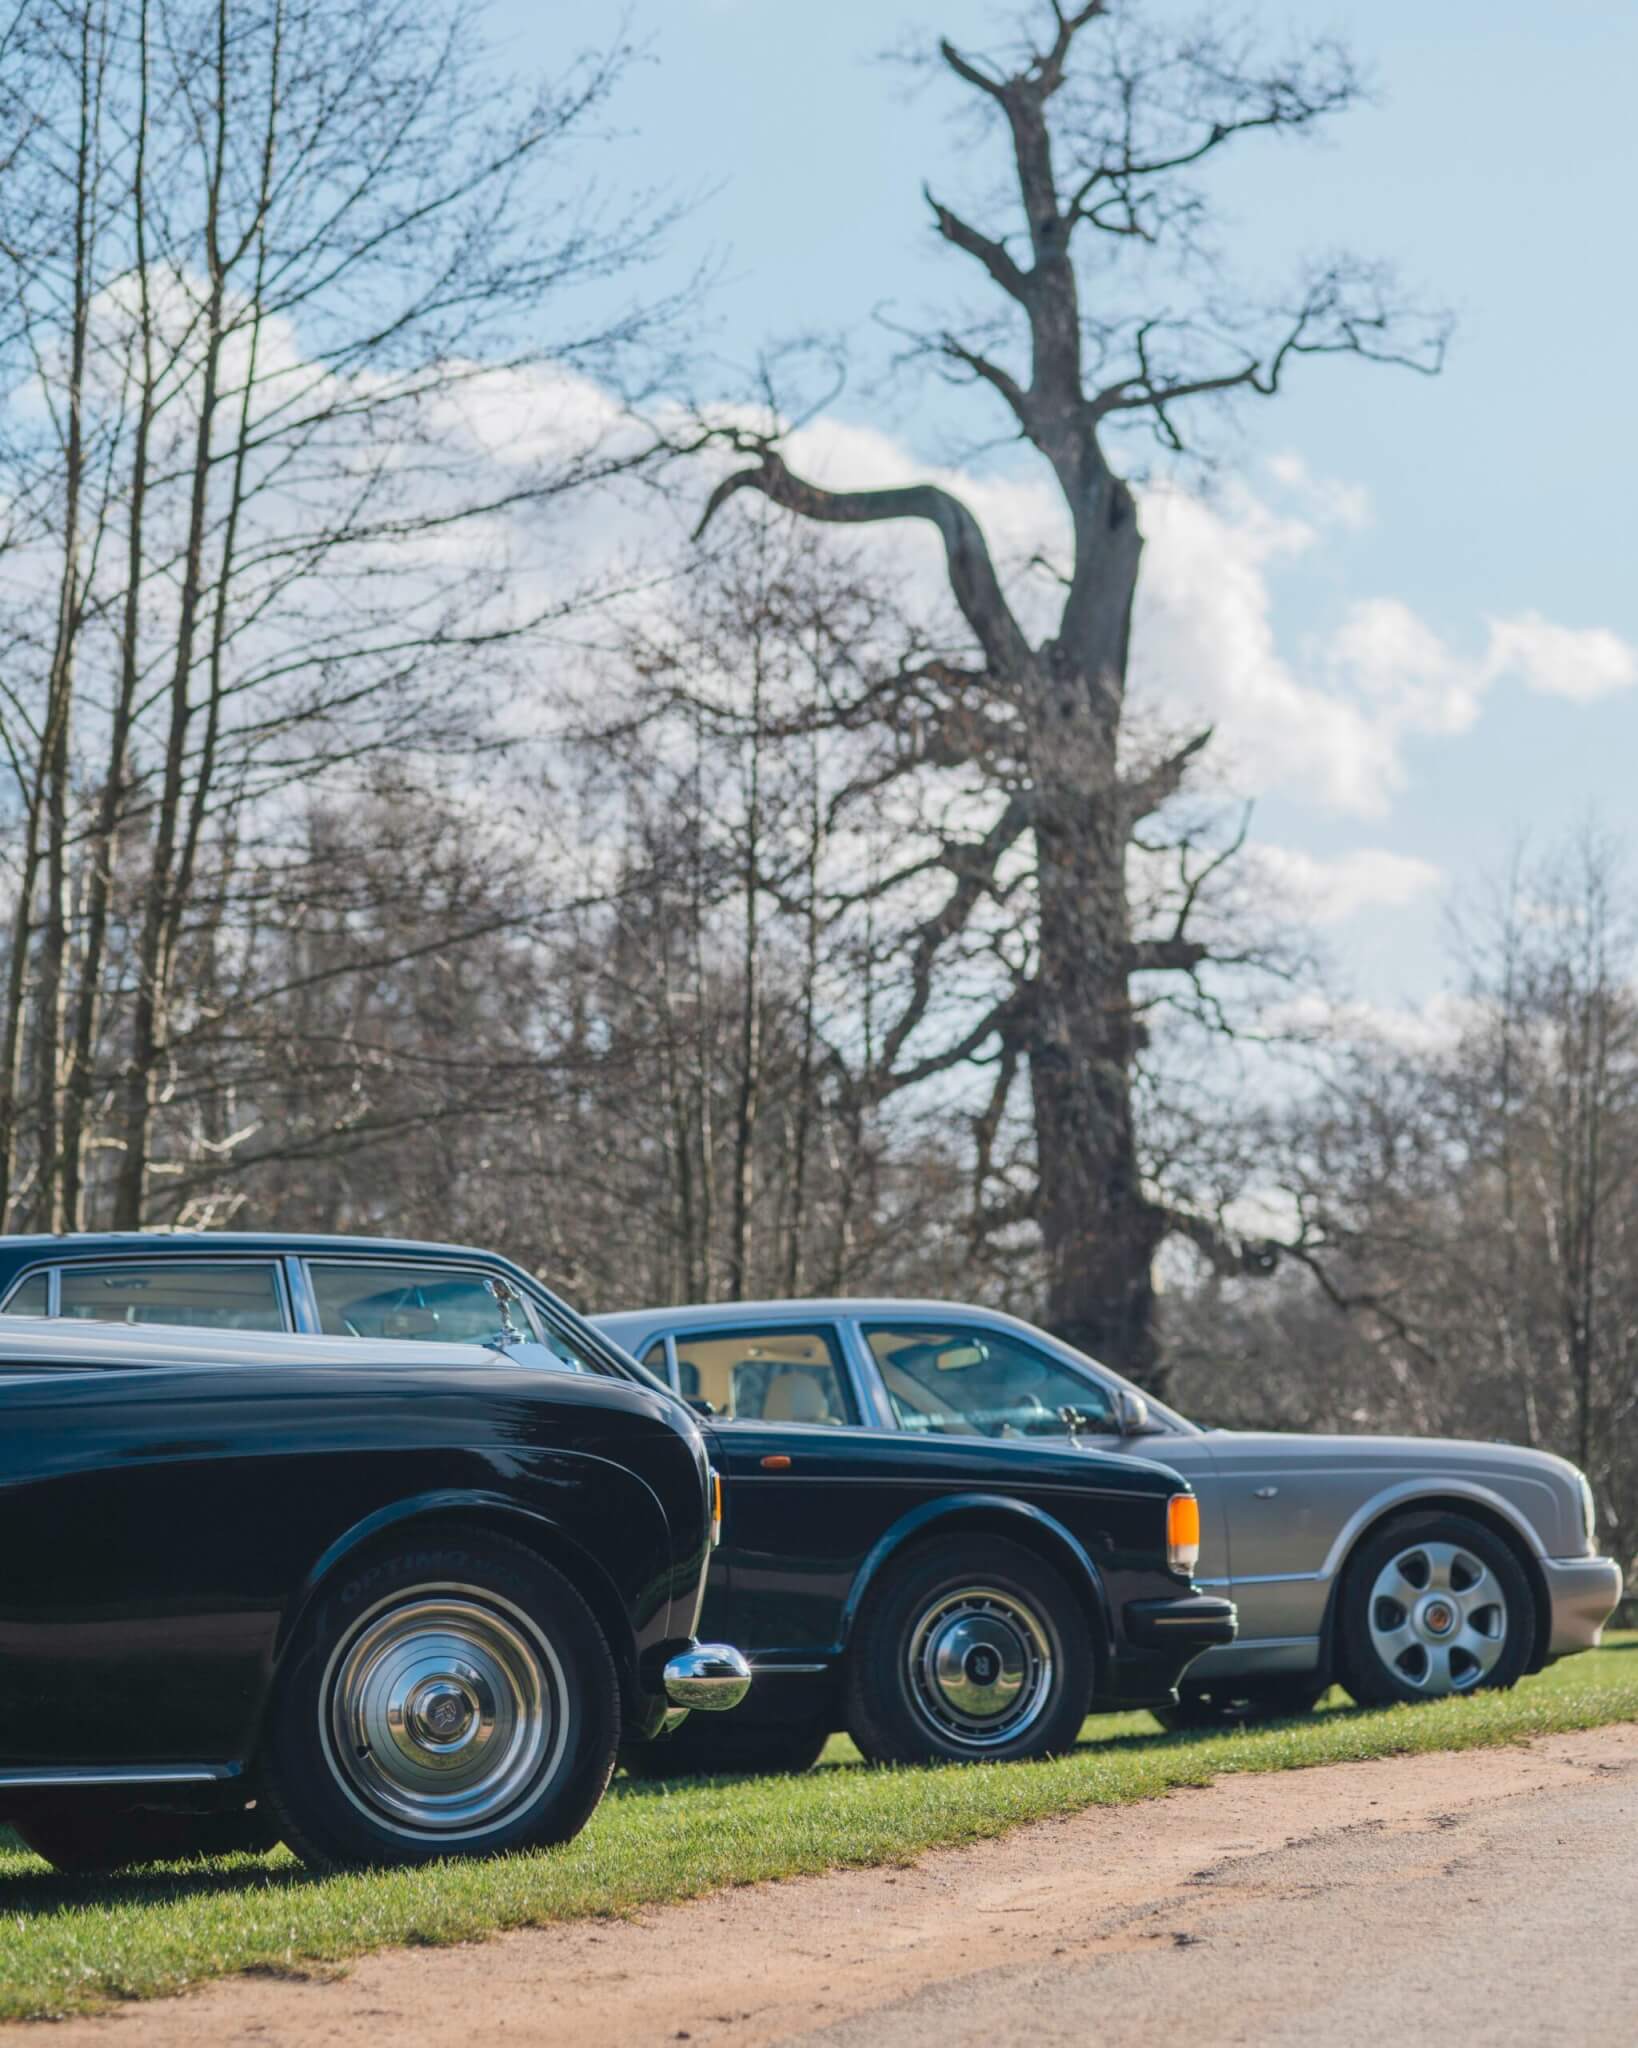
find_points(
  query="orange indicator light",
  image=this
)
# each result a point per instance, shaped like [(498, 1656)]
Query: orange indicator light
[(1183, 1532)]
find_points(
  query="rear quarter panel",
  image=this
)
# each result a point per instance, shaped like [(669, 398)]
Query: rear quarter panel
[(160, 1528)]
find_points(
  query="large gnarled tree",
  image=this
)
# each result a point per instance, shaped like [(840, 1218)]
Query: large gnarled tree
[(1109, 127)]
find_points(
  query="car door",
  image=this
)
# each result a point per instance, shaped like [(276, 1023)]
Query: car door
[(784, 1410), (966, 1375), (137, 1603)]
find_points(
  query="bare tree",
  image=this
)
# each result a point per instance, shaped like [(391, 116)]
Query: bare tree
[(1108, 126), (284, 276), (1471, 1210)]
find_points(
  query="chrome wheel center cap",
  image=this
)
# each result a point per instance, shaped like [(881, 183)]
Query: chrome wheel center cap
[(981, 1666), (441, 1714)]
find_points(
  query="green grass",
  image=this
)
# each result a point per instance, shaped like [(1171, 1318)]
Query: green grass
[(67, 1945)]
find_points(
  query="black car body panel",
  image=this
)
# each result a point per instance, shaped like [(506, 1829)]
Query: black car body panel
[(163, 1521), (804, 1539)]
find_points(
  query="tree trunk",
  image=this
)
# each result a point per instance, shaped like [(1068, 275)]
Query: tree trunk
[(1099, 1230)]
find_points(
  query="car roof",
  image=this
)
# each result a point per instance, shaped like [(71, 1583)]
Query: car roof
[(66, 1243), (726, 1314), (38, 1340)]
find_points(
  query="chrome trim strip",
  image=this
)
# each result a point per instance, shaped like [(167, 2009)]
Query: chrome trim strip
[(303, 1307), (45, 1775), (1270, 1577), (772, 1670)]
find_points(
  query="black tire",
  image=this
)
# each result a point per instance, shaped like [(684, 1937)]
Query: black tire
[(1020, 1618), (1495, 1610), (507, 1708), (91, 1838), (1233, 1702), (711, 1745)]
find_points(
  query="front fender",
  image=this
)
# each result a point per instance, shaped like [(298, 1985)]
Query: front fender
[(1412, 1492), (1000, 1514)]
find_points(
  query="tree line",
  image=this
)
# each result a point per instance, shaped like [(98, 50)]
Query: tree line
[(740, 914)]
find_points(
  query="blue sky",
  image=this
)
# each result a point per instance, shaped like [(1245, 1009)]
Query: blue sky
[(1498, 172)]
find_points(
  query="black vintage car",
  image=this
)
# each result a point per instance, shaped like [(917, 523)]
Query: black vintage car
[(939, 1598), (383, 1601), (956, 1600)]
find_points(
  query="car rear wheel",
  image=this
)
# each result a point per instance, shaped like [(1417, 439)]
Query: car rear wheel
[(1434, 1605), (709, 1744), (445, 1699), (974, 1651), (1234, 1701), (88, 1837)]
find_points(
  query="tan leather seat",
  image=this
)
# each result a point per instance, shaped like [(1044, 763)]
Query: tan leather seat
[(796, 1396)]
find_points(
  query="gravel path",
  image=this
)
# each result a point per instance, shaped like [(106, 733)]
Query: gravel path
[(1489, 1896)]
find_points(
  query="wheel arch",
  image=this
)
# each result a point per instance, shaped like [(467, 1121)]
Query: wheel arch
[(1411, 1503), (993, 1515), (494, 1515)]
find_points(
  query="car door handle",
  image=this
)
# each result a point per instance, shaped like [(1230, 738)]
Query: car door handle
[(1265, 1492)]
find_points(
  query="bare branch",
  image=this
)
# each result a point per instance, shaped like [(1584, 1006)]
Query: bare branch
[(976, 587)]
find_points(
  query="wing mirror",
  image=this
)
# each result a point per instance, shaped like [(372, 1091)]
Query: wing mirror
[(1133, 1413)]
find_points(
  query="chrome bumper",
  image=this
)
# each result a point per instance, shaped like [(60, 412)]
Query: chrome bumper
[(710, 1678), (1581, 1597)]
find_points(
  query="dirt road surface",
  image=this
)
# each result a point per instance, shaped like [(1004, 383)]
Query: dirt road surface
[(1489, 1897)]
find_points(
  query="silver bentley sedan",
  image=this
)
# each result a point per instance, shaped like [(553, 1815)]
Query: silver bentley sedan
[(1401, 1567)]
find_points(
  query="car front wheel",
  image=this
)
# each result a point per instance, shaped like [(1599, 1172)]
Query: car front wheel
[(449, 1698), (1434, 1605), (973, 1651)]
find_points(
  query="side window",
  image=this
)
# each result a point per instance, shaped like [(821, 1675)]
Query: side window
[(32, 1297), (431, 1305), (967, 1382), (655, 1361), (199, 1294), (767, 1375)]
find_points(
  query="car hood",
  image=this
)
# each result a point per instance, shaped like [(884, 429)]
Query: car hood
[(1407, 1453)]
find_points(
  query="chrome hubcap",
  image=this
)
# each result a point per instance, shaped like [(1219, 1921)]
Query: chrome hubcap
[(443, 1711), (980, 1667), (1438, 1618)]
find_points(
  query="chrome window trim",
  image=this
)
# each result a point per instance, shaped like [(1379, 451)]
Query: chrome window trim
[(303, 1305), (833, 1326), (673, 1376), (866, 1369), (101, 1261)]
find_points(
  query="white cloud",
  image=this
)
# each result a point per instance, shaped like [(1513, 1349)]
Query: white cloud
[(1205, 646), (1421, 1029), (1578, 662), (1331, 501), (1332, 731), (1331, 891), (1328, 722)]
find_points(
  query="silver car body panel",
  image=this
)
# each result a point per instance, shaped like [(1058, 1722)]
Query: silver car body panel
[(1281, 1513)]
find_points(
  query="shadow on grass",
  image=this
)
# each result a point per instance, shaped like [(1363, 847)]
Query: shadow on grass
[(44, 1893), (1142, 1740), (658, 1788)]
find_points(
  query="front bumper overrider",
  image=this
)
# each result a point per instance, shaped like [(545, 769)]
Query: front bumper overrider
[(1189, 1624), (707, 1678)]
